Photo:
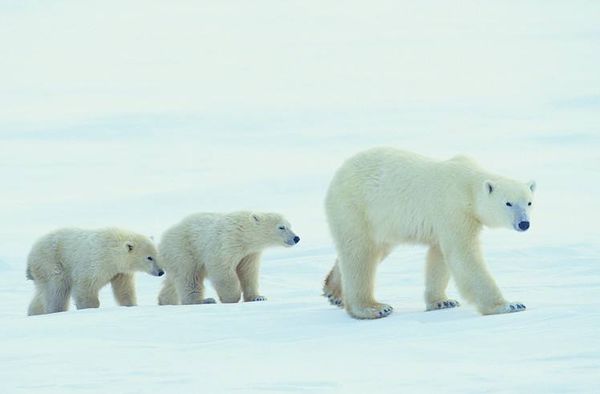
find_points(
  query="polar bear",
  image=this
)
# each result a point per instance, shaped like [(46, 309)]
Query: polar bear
[(225, 248), (383, 197), (83, 261)]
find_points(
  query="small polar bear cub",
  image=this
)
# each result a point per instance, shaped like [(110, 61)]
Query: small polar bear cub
[(225, 248), (81, 262), (383, 197)]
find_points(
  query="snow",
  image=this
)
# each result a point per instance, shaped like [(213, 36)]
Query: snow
[(136, 114)]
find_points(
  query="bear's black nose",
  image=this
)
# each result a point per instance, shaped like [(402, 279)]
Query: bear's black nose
[(523, 225), (161, 273), (296, 239)]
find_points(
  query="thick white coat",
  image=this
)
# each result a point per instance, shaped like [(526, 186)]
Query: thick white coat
[(81, 262), (225, 248), (383, 197)]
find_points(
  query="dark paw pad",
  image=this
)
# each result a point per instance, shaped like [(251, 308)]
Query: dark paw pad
[(385, 311)]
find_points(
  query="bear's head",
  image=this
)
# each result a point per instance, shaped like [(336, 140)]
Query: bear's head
[(271, 229), (142, 255), (505, 203)]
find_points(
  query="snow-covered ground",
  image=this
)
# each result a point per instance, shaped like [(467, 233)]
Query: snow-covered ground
[(138, 113)]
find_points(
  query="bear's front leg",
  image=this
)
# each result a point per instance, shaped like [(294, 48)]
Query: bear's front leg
[(248, 272), (226, 283), (86, 295), (123, 287), (475, 283), (437, 276)]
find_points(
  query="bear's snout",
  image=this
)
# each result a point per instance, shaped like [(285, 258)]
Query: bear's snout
[(160, 273), (524, 225), (296, 239)]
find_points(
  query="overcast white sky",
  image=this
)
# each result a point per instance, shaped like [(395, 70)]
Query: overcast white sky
[(140, 116)]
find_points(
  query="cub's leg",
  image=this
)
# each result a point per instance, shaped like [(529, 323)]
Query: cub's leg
[(86, 295), (168, 293), (190, 286), (123, 287), (56, 294), (225, 281), (36, 307), (247, 272), (437, 276)]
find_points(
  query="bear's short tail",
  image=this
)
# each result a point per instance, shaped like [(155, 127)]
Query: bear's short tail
[(28, 274)]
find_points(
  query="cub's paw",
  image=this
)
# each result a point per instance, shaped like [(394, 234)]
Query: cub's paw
[(209, 301), (445, 304), (257, 298), (334, 300), (374, 311), (507, 308)]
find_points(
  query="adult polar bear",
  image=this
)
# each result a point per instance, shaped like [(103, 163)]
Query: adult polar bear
[(383, 197)]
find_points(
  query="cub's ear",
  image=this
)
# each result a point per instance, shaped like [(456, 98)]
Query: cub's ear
[(531, 186), (129, 245), (488, 187), (255, 218)]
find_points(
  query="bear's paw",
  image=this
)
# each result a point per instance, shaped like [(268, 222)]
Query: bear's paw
[(258, 298), (375, 311), (445, 304), (333, 300)]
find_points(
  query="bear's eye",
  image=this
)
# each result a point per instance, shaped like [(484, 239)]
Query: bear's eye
[(508, 204), (282, 227), (529, 203), (150, 258)]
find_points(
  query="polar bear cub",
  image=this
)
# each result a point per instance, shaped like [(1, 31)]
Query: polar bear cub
[(81, 262), (383, 197), (225, 248)]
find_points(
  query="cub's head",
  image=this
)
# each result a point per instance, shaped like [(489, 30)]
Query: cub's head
[(142, 255), (273, 230), (505, 203)]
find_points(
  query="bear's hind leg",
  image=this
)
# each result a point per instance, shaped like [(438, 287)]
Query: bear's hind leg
[(358, 267), (168, 293), (36, 307), (123, 287), (332, 288), (56, 294), (437, 276), (190, 287)]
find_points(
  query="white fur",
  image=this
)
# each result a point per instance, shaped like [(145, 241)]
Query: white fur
[(224, 248), (383, 197), (81, 262)]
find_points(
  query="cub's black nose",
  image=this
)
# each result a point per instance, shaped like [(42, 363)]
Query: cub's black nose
[(161, 273), (296, 239), (523, 225)]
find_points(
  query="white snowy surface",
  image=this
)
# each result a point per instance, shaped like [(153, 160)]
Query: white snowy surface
[(138, 113)]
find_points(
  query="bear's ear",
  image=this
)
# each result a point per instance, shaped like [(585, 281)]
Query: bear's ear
[(488, 187), (254, 218), (531, 186), (129, 245)]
